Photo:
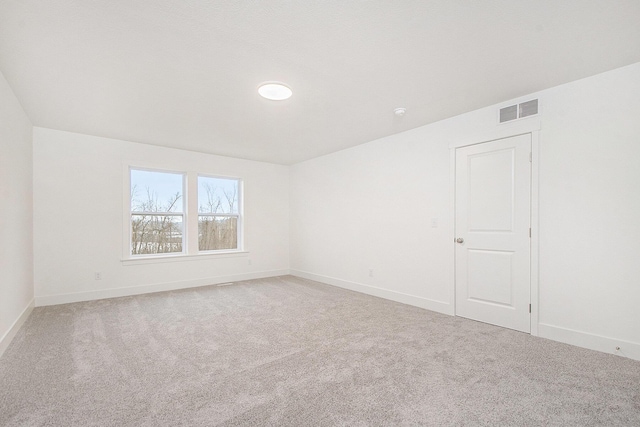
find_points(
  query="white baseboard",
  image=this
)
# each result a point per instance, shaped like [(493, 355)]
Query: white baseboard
[(593, 342), (569, 336), (13, 330), (45, 300), (426, 303)]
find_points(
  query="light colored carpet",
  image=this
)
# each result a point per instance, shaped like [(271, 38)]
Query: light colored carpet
[(292, 352)]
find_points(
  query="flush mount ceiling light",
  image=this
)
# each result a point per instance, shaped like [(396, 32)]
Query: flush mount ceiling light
[(275, 91)]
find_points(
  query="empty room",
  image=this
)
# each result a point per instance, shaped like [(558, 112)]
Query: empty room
[(320, 213)]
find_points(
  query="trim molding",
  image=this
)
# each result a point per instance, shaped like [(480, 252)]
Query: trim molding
[(591, 341), (501, 131), (426, 303), (628, 349), (13, 330), (56, 299), (534, 240)]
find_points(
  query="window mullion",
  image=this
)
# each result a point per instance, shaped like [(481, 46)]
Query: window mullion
[(232, 215), (157, 213), (191, 207)]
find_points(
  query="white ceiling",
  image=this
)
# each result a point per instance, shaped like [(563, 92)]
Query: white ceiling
[(184, 73)]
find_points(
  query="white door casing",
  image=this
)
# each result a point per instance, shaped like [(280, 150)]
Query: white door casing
[(492, 225)]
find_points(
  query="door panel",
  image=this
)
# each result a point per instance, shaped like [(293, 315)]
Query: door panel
[(493, 201), (491, 191), (492, 276)]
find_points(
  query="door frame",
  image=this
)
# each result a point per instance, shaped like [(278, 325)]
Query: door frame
[(526, 127)]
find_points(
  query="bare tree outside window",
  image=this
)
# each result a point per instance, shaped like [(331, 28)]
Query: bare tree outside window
[(218, 213), (157, 210)]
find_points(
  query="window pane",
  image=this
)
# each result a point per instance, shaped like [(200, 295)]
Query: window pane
[(156, 191), (156, 234), (217, 195), (215, 233)]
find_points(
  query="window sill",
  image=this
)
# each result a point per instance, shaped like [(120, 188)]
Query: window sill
[(182, 257)]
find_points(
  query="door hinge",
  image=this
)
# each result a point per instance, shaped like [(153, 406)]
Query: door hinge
[(530, 157), (529, 308)]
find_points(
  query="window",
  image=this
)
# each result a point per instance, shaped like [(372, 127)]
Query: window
[(181, 213), (157, 212), (218, 213)]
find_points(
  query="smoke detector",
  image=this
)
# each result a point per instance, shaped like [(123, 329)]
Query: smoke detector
[(399, 112)]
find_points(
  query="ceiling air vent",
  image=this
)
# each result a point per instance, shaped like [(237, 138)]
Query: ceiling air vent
[(508, 113), (519, 111), (529, 108)]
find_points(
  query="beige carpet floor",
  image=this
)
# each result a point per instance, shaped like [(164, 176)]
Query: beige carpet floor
[(292, 352)]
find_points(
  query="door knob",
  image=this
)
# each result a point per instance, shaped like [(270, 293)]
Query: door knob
[(460, 240)]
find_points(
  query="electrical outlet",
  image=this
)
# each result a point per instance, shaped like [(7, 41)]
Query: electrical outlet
[(97, 275), (249, 261), (434, 222), (370, 272)]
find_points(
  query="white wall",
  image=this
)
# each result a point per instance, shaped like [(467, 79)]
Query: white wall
[(371, 207), (383, 207), (16, 250), (78, 219)]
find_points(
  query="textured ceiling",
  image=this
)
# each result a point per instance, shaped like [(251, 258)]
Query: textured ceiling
[(184, 73)]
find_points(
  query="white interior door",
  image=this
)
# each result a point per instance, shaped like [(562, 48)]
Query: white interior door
[(493, 211)]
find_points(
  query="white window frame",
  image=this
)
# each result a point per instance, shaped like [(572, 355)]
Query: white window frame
[(182, 214), (238, 216), (190, 250)]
